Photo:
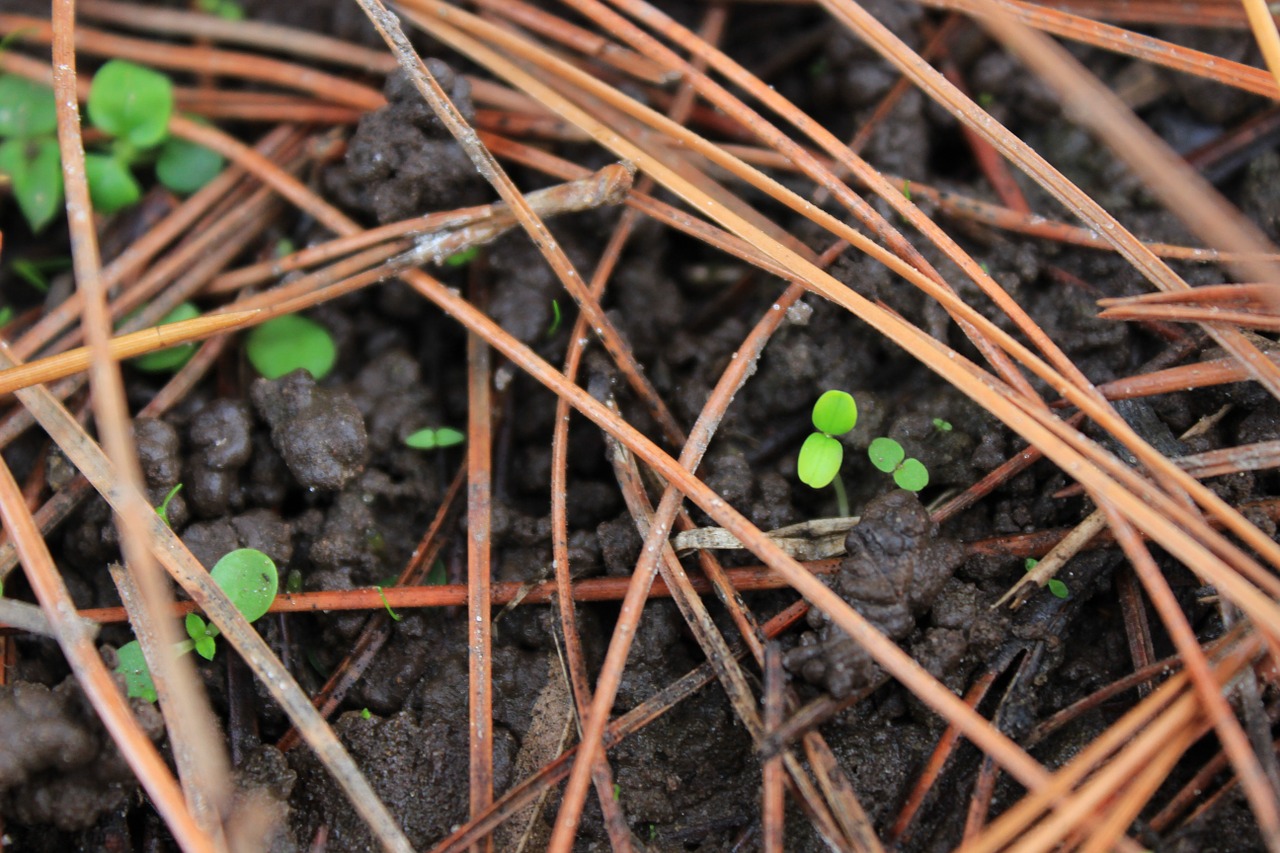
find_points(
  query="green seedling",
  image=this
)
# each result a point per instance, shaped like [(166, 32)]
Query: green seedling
[(250, 580), (435, 439), (172, 359), (941, 426), (365, 713), (283, 344), (228, 10), (387, 604), (6, 314), (555, 318), (887, 455), (834, 414), (461, 259), (1055, 586), (36, 273), (132, 105), (163, 509)]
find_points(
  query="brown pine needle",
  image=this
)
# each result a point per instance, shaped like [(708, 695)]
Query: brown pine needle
[(125, 346)]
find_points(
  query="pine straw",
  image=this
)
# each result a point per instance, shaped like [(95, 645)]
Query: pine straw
[(1091, 802)]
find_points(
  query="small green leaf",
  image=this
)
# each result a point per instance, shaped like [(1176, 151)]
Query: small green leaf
[(461, 259), (555, 318), (911, 475), (387, 604), (196, 627), (6, 314), (163, 509), (249, 579), (228, 10), (185, 167), (35, 168), (941, 426), (137, 677), (365, 714), (886, 454), (434, 439), (169, 360), (1058, 588), (36, 273), (112, 186), (131, 102), (835, 413), (284, 344), (206, 647), (293, 581), (819, 462), (27, 109), (1030, 563)]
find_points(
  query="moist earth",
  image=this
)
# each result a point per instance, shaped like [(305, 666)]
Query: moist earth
[(316, 474)]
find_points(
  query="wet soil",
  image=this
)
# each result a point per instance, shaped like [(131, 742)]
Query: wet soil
[(317, 475)]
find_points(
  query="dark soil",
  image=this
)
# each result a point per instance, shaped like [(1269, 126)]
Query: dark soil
[(318, 476)]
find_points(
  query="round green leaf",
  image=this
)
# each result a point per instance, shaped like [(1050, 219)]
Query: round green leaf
[(206, 646), (27, 109), (196, 627), (171, 359), (137, 677), (131, 102), (185, 167), (249, 579), (820, 458), (835, 413), (284, 344), (1058, 588), (112, 186), (885, 454), (35, 168), (911, 475)]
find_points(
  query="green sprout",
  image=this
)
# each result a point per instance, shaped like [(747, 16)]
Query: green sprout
[(387, 604), (228, 10), (834, 414), (283, 344), (36, 273), (941, 426), (365, 713), (1055, 586), (461, 259), (6, 314), (163, 509), (132, 105), (435, 439), (555, 318), (250, 580), (171, 359), (887, 455)]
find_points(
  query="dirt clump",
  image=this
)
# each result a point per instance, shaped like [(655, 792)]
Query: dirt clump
[(58, 765), (319, 432), (896, 565)]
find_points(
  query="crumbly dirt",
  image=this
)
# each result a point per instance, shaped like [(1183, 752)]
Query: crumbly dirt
[(318, 476)]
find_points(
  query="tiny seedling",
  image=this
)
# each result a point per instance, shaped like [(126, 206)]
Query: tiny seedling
[(283, 344), (887, 455), (387, 604), (6, 314), (228, 10), (1055, 586), (250, 580), (365, 713), (941, 426), (163, 509), (461, 259), (172, 359), (555, 318), (132, 105), (435, 439), (834, 414)]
